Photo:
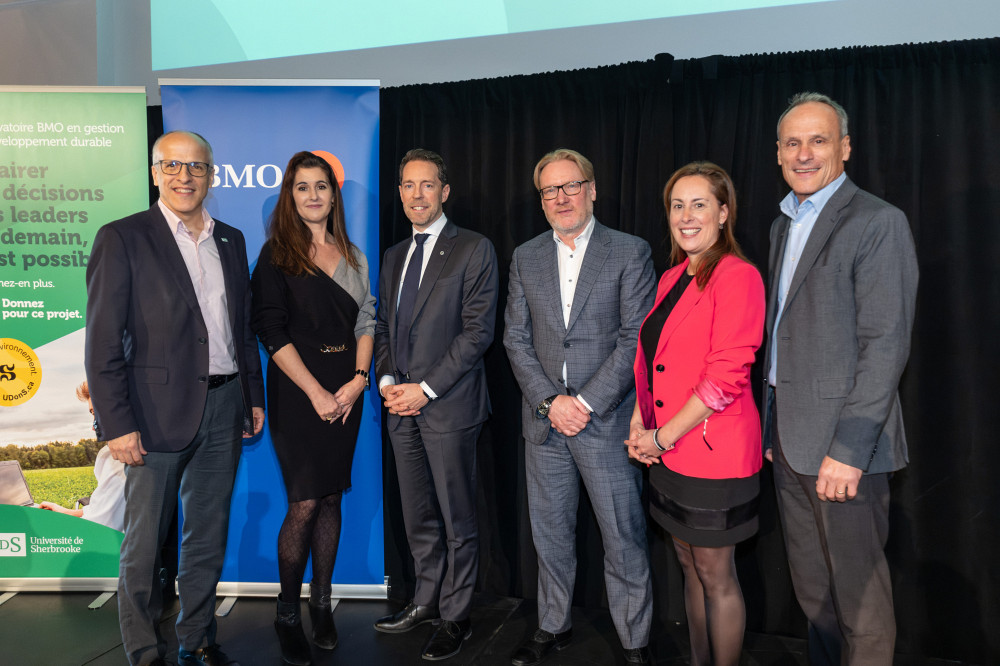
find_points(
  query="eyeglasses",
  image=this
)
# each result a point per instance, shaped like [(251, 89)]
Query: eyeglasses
[(569, 189), (173, 167)]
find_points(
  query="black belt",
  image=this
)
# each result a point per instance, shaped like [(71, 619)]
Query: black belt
[(215, 381)]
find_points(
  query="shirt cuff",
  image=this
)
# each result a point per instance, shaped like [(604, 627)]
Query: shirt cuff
[(585, 403), (385, 380), (428, 390)]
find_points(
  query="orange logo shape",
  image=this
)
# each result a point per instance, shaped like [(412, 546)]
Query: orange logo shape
[(331, 159)]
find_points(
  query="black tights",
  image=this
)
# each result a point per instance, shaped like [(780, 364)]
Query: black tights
[(714, 603), (310, 525)]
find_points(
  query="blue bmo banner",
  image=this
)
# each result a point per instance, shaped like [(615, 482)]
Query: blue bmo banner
[(254, 128)]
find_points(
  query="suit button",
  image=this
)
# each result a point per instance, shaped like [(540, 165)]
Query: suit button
[(202, 340), (659, 403), (567, 345), (659, 368), (203, 379)]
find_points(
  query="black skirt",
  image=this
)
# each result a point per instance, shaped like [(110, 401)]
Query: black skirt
[(704, 512)]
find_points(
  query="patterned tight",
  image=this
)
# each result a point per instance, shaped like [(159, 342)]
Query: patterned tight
[(309, 526)]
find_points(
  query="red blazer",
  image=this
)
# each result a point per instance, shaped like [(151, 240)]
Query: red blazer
[(710, 334)]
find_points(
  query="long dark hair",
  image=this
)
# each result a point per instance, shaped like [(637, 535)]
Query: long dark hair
[(288, 235), (722, 188)]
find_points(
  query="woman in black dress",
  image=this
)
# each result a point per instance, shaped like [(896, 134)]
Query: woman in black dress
[(314, 313)]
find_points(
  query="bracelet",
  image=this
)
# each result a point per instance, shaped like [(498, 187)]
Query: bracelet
[(657, 442), (364, 375), (429, 399)]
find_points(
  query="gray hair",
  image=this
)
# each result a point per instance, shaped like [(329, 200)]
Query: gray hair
[(157, 155), (805, 98)]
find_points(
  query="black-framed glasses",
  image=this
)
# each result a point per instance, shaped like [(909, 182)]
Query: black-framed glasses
[(173, 167), (569, 189)]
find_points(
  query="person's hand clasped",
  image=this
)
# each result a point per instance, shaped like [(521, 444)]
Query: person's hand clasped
[(348, 394), (568, 415), (404, 399), (642, 448), (327, 406), (837, 481)]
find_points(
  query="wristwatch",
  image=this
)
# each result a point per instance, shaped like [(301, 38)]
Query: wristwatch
[(542, 410)]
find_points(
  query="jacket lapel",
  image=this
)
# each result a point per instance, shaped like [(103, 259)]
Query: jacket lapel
[(827, 221), (598, 250), (688, 300), (228, 259), (443, 246), (166, 246)]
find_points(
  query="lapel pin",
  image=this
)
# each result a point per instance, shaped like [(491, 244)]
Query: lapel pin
[(442, 251), (224, 239)]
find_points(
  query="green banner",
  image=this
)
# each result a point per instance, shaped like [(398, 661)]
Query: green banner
[(69, 162), (43, 544)]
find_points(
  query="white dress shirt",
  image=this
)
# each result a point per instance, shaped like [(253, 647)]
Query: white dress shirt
[(570, 260)]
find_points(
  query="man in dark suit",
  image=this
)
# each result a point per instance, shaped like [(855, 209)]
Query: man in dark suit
[(436, 314), (578, 294), (843, 283), (175, 380)]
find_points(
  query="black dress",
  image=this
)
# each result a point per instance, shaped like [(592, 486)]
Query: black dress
[(318, 316), (702, 512)]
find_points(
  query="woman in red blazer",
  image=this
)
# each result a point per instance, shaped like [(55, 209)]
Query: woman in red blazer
[(695, 422)]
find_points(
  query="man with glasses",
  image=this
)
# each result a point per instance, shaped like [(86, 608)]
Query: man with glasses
[(577, 297), (175, 379)]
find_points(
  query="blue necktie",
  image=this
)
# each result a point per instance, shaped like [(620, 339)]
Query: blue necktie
[(407, 299)]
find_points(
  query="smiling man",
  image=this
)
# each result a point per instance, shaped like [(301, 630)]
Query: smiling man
[(578, 294), (436, 315), (175, 379), (843, 283)]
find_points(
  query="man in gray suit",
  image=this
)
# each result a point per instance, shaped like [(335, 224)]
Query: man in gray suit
[(174, 375), (436, 315), (578, 295), (843, 282)]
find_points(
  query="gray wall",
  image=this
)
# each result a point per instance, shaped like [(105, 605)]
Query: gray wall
[(106, 42)]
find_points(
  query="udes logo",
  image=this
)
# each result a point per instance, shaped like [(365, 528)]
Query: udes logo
[(265, 175), (12, 544)]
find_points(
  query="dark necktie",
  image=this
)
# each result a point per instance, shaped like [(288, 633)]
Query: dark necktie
[(407, 299)]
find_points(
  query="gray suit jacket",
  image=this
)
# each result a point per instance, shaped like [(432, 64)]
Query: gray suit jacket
[(453, 322), (844, 335), (614, 293), (147, 344)]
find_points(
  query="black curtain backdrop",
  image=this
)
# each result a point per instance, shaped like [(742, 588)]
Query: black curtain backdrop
[(925, 122)]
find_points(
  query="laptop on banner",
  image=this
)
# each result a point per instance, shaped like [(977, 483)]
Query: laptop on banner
[(13, 486)]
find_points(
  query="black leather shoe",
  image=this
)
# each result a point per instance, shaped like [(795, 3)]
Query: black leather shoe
[(408, 618), (447, 640), (535, 649), (638, 656), (211, 655)]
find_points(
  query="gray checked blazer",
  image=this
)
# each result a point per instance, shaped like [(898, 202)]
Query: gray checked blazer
[(614, 293), (844, 335)]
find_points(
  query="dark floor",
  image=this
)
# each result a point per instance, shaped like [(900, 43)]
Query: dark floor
[(59, 630)]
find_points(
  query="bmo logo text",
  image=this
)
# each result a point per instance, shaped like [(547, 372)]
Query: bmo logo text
[(268, 176), (247, 175), (12, 544)]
